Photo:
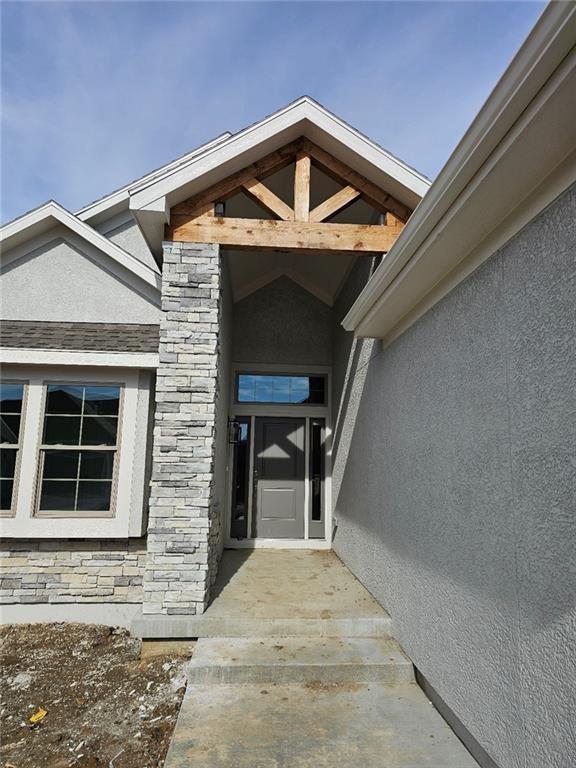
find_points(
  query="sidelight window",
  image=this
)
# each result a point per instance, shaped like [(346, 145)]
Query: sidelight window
[(317, 475), (240, 479)]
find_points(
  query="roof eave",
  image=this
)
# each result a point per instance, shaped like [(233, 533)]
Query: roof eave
[(502, 160)]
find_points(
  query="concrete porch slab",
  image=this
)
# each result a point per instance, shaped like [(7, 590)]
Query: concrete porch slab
[(312, 725), (272, 593), (303, 584), (297, 659)]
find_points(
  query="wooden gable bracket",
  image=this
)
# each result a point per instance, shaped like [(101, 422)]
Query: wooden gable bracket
[(297, 227)]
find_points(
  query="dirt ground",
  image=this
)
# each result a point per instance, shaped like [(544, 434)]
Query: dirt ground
[(106, 706)]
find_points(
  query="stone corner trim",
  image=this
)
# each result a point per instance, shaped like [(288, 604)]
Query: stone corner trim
[(183, 525)]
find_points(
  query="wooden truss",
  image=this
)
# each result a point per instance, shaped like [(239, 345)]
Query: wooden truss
[(296, 227)]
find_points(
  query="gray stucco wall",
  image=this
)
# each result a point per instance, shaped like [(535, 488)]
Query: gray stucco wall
[(282, 323), (456, 502), (60, 282), (223, 402), (124, 231), (349, 367)]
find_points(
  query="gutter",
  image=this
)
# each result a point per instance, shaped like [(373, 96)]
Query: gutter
[(470, 171)]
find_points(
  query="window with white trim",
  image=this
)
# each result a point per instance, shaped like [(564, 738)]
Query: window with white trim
[(11, 428), (83, 454), (78, 453)]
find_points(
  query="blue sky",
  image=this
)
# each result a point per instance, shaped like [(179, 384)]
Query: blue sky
[(97, 94)]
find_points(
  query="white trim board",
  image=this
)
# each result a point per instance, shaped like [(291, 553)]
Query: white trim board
[(32, 356), (492, 175)]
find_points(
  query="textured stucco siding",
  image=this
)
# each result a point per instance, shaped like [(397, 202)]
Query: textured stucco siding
[(349, 367), (66, 571), (456, 500), (59, 282), (282, 324), (125, 232), (220, 488)]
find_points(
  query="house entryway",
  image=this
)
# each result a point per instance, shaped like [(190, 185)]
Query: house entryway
[(296, 665), (279, 436)]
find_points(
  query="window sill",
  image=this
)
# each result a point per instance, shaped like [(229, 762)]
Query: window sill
[(70, 528), (48, 515)]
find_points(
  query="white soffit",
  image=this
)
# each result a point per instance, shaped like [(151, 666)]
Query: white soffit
[(40, 220), (517, 156), (151, 200)]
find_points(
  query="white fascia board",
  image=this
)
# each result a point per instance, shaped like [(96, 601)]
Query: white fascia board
[(120, 197), (151, 219), (33, 356), (522, 134), (304, 116), (46, 216)]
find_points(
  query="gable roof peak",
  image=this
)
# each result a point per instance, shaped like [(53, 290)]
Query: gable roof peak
[(43, 218), (152, 198)]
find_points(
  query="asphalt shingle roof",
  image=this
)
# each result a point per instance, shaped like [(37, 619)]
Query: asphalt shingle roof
[(88, 337)]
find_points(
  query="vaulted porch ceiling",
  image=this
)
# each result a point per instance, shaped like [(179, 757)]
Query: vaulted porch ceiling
[(321, 274)]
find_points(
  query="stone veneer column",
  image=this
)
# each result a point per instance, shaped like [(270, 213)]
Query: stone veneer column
[(183, 525)]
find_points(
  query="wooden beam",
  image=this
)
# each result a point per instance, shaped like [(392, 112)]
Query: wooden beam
[(302, 187), (206, 210), (223, 189), (393, 221), (377, 198), (329, 207), (268, 199), (271, 234)]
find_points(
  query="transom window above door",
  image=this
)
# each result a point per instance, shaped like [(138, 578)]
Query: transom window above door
[(280, 389)]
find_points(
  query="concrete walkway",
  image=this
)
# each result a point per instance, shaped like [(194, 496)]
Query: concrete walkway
[(310, 678)]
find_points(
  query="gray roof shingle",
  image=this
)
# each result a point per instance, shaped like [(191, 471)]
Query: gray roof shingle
[(85, 337)]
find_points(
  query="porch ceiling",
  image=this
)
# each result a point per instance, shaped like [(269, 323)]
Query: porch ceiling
[(322, 274)]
